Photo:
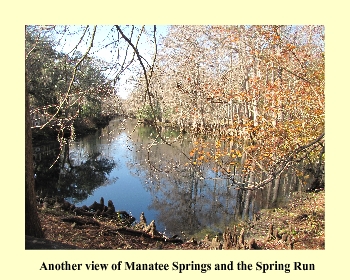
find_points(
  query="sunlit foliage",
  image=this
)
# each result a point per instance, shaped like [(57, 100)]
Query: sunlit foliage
[(258, 89)]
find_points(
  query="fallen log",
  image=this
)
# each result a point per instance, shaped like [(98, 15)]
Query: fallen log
[(80, 221), (129, 231)]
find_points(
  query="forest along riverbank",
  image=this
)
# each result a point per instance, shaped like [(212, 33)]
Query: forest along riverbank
[(250, 135), (299, 225)]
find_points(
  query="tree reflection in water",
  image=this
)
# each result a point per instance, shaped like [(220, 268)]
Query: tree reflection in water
[(70, 178), (196, 198), (154, 179)]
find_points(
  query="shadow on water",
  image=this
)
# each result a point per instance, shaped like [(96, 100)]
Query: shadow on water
[(127, 164), (67, 178)]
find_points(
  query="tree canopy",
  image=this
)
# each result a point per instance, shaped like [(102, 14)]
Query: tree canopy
[(259, 89), (252, 96)]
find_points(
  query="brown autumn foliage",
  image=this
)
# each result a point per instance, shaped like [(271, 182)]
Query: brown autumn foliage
[(258, 89)]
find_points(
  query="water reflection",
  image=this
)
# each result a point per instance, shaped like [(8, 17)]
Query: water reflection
[(69, 178), (128, 164)]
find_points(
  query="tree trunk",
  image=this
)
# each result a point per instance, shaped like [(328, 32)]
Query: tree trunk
[(32, 222)]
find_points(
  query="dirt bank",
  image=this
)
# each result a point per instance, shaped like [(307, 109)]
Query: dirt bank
[(300, 225)]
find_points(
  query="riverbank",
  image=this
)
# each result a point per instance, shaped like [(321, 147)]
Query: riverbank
[(299, 226), (82, 127), (90, 125), (301, 223)]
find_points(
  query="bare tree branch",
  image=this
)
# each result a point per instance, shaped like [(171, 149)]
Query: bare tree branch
[(73, 77), (150, 95), (283, 164)]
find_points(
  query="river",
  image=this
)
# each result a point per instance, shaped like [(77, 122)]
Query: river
[(126, 163)]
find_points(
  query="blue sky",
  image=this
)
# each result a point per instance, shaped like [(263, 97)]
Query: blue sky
[(104, 48)]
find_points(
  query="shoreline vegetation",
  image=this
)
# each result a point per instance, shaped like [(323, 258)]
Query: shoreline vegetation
[(300, 225), (250, 96), (82, 127)]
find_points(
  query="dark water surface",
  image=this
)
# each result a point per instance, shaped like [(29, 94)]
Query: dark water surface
[(118, 162)]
